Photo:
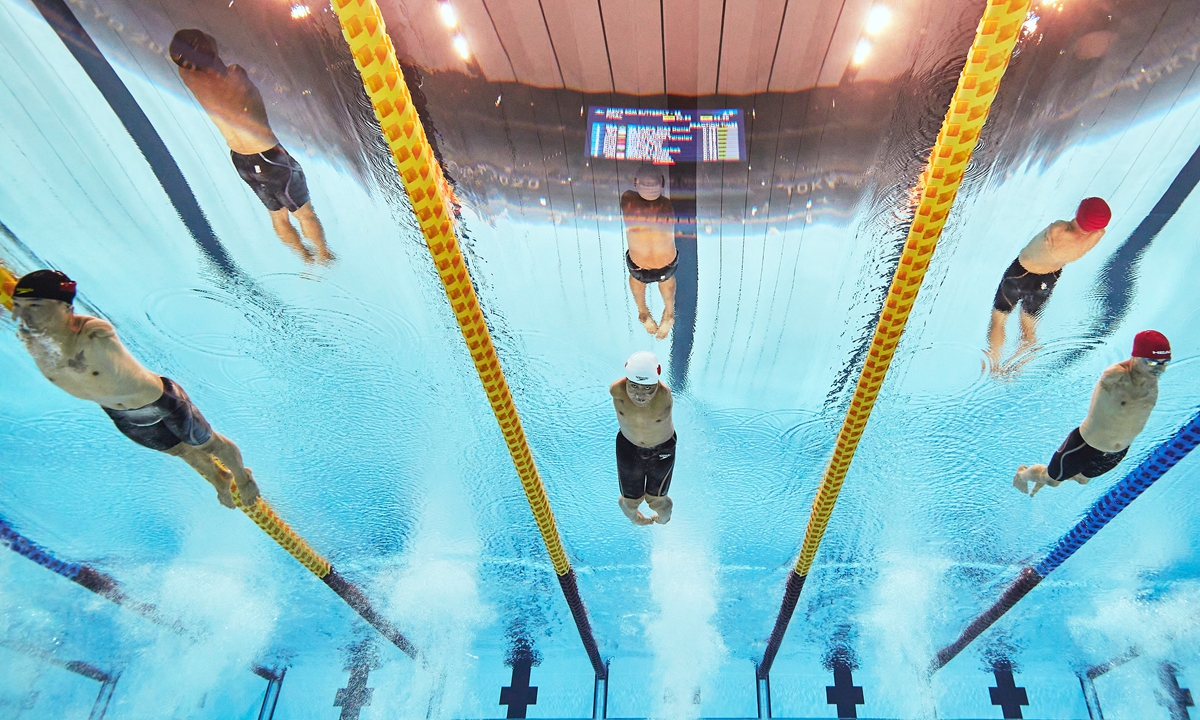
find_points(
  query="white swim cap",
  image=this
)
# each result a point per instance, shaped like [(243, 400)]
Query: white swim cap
[(649, 181), (643, 368)]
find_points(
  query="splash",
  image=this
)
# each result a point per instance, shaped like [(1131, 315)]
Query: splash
[(687, 647), (436, 599), (899, 634)]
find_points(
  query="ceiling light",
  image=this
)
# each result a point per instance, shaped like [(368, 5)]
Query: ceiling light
[(861, 52), (447, 12), (299, 12), (460, 45), (878, 19)]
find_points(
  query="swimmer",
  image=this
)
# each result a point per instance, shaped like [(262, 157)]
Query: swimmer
[(650, 233), (83, 356), (646, 440), (1121, 405), (1031, 277), (236, 107)]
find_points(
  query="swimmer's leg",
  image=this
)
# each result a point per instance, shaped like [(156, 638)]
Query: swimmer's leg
[(996, 338), (210, 470), (1033, 473), (638, 288), (282, 223), (311, 226), (231, 457), (1028, 331), (662, 505), (629, 506), (667, 288)]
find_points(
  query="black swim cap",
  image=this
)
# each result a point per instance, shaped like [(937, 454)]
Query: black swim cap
[(45, 285), (193, 49)]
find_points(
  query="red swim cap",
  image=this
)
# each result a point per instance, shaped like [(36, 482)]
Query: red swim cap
[(1093, 214), (1152, 345)]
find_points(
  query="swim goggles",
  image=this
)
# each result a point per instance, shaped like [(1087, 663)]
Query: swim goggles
[(1156, 363)]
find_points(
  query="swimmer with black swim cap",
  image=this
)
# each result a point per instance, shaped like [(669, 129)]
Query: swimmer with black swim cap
[(646, 440), (236, 107), (83, 356)]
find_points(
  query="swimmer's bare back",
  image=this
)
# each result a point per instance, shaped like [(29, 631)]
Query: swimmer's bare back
[(235, 106), (1120, 407), (89, 362), (649, 230), (647, 426), (1061, 243)]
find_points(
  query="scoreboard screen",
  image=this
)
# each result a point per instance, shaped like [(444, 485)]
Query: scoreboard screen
[(666, 136)]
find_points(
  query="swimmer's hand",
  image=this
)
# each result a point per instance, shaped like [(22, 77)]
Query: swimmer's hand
[(248, 489)]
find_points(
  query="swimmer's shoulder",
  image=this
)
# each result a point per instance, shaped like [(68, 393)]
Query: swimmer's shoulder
[(617, 389), (94, 328)]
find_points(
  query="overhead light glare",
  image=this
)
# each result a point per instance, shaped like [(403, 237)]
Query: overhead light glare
[(861, 52), (447, 13), (299, 12), (460, 46), (878, 19)]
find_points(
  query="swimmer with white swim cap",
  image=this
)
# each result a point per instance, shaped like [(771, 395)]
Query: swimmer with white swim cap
[(646, 440), (652, 258)]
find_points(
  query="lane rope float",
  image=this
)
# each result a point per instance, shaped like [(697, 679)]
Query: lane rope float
[(995, 38), (431, 198)]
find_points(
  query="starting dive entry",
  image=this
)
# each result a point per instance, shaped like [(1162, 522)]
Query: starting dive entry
[(666, 137)]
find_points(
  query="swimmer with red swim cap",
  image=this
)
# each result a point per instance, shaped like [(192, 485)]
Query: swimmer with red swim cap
[(83, 356), (1121, 405), (1030, 279), (646, 440)]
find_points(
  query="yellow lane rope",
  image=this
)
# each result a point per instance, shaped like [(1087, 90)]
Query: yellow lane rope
[(8, 283), (986, 62), (264, 516), (363, 28)]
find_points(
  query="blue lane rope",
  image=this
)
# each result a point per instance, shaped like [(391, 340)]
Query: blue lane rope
[(25, 547), (1162, 459)]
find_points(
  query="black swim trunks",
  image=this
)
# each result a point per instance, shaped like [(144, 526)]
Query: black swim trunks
[(642, 470), (1076, 457), (647, 277), (274, 176), (164, 423), (1029, 289)]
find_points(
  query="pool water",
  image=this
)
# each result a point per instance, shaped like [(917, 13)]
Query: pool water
[(350, 393)]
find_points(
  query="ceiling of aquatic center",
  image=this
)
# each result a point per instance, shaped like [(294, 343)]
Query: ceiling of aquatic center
[(780, 325)]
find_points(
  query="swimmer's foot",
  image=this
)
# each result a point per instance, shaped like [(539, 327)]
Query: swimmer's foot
[(647, 321), (664, 326), (629, 506), (662, 506), (325, 257), (1020, 482)]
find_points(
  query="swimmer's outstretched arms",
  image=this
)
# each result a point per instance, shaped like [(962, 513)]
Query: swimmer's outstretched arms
[(1121, 405), (83, 356), (646, 440)]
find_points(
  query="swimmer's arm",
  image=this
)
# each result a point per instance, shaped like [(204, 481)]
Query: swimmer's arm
[(617, 391)]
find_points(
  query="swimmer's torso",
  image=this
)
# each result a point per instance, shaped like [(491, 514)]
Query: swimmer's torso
[(649, 230), (644, 426), (235, 107), (1056, 246), (1121, 405), (92, 364)]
